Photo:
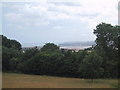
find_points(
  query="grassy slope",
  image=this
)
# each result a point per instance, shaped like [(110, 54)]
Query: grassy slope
[(12, 80)]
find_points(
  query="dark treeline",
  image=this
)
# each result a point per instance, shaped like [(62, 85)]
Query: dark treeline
[(100, 61)]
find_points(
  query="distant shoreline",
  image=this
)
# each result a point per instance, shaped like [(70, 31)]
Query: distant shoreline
[(64, 44)]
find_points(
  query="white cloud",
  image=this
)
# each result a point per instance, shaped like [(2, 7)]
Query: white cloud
[(29, 8), (92, 12), (13, 16), (57, 27), (42, 23), (57, 16), (73, 19), (89, 12), (37, 14)]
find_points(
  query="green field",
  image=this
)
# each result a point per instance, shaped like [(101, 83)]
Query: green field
[(12, 80)]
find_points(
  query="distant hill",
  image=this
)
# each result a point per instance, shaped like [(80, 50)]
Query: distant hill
[(88, 43), (66, 45), (77, 45)]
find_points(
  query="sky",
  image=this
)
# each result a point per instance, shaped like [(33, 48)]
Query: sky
[(56, 21)]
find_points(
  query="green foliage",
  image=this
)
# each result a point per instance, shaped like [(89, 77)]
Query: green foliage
[(107, 47), (10, 43), (43, 63), (14, 63), (7, 55), (91, 66), (10, 50), (29, 53), (100, 61), (50, 47)]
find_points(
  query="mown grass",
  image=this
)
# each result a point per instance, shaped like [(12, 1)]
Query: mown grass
[(12, 80)]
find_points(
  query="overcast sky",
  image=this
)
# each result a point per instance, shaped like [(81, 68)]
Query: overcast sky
[(57, 22)]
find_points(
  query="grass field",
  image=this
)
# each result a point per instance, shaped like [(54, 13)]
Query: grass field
[(12, 80)]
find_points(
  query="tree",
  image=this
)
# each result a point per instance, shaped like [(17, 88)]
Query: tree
[(91, 66), (107, 47), (7, 55), (49, 47), (43, 63), (10, 50), (29, 53), (15, 44), (14, 62), (107, 36), (10, 43)]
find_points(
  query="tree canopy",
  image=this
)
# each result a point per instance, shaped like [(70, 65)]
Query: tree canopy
[(10, 43), (91, 66), (107, 47), (100, 61)]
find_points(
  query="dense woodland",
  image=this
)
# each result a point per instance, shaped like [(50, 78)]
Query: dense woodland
[(100, 61)]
